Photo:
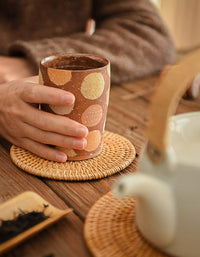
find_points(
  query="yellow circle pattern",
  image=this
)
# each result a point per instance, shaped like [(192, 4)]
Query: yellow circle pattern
[(59, 77), (62, 109), (69, 152), (93, 140), (92, 115), (92, 86)]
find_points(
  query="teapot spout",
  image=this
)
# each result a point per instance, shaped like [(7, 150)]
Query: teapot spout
[(139, 185), (155, 211)]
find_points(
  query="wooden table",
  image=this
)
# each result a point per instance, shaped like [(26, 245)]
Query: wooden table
[(127, 116)]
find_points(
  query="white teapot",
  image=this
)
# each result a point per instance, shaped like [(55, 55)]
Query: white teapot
[(167, 185)]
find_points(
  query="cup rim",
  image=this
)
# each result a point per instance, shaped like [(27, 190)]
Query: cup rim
[(97, 58)]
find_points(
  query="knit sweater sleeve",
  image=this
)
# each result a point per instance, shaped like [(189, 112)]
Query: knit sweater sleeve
[(130, 33)]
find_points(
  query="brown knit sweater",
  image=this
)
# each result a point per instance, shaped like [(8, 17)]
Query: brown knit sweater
[(128, 32)]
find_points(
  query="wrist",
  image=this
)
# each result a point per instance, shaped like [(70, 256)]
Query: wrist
[(14, 68)]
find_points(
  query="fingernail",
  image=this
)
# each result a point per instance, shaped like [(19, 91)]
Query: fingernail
[(68, 99), (84, 143), (82, 131), (61, 157), (80, 144)]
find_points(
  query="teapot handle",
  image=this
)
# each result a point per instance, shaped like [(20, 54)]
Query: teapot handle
[(172, 85)]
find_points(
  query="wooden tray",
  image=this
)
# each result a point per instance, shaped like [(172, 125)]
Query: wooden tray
[(27, 202)]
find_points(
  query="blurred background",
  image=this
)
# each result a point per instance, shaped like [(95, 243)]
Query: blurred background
[(183, 20)]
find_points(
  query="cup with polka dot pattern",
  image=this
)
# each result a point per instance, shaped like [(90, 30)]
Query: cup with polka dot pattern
[(87, 77)]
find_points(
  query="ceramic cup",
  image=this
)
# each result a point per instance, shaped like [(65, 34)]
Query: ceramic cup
[(88, 78)]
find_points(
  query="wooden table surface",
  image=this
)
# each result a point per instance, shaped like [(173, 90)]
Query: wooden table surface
[(127, 116)]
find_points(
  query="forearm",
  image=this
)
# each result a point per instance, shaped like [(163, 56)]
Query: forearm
[(13, 68)]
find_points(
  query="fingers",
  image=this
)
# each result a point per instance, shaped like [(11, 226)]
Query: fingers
[(35, 93), (54, 138), (54, 123), (41, 127), (44, 151), (33, 79)]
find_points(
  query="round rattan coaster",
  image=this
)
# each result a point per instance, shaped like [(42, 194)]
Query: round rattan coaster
[(110, 230), (117, 154)]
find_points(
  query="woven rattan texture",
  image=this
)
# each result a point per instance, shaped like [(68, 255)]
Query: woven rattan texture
[(117, 154), (110, 230)]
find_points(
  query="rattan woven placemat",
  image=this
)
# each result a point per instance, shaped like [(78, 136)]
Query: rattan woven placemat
[(117, 154), (110, 230)]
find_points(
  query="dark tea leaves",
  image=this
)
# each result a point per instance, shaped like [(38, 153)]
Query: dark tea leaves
[(24, 221)]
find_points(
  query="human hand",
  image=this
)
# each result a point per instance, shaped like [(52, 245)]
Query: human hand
[(28, 127)]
